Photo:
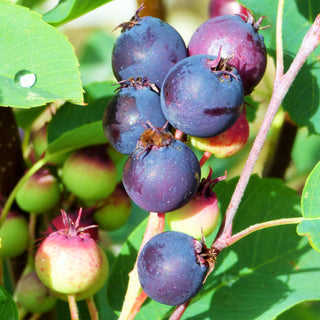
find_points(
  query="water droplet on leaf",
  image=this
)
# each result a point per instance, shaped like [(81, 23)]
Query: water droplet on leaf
[(25, 78)]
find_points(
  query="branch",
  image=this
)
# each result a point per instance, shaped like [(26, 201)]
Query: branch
[(309, 43)]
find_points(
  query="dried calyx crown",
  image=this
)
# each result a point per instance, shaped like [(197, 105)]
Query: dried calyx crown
[(207, 255), (206, 184), (221, 65), (154, 137), (72, 228), (137, 83), (255, 24), (132, 22)]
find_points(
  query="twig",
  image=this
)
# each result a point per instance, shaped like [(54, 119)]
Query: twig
[(281, 87)]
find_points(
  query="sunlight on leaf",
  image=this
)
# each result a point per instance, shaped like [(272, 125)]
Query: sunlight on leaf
[(38, 64), (310, 204)]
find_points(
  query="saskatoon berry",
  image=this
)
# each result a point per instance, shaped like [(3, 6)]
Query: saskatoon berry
[(147, 47), (134, 104), (114, 211), (227, 143), (90, 174), (202, 96), (223, 7), (11, 244), (162, 174), (170, 267), (84, 263), (200, 216), (237, 38), (40, 193), (33, 295)]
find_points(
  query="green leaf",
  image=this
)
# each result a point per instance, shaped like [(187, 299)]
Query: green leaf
[(29, 45), (302, 101), (95, 58), (263, 274), (74, 127), (8, 309), (68, 10), (310, 204)]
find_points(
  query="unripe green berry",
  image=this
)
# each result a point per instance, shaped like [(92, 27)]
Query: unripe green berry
[(14, 235), (40, 193), (33, 295), (90, 173), (115, 210), (69, 261)]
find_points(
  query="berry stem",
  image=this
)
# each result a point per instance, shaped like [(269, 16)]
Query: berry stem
[(205, 157), (94, 314), (73, 307), (281, 87), (134, 297), (178, 134), (179, 311)]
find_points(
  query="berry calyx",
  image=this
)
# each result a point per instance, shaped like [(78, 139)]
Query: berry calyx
[(86, 220), (72, 250)]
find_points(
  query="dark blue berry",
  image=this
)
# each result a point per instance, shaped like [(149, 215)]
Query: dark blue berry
[(162, 174), (147, 47), (202, 96), (127, 113), (170, 268)]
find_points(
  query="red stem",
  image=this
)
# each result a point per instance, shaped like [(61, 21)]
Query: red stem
[(179, 311), (205, 157), (73, 307), (94, 314)]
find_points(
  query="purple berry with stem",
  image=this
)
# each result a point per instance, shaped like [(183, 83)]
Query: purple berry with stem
[(136, 102), (162, 174), (147, 47), (202, 95), (172, 267), (237, 38)]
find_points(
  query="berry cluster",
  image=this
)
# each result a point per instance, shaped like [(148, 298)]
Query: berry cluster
[(169, 94)]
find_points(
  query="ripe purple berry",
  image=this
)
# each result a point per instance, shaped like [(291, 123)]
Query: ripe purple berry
[(237, 38), (162, 174), (147, 47), (202, 96), (124, 119), (171, 268)]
